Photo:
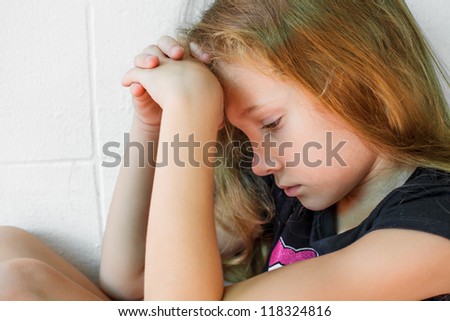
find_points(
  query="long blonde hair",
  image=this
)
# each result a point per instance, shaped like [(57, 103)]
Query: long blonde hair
[(243, 205), (366, 62)]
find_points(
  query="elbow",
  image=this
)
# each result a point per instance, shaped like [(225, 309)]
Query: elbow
[(122, 288)]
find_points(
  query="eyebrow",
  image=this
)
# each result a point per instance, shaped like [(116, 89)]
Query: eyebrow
[(257, 106), (250, 109)]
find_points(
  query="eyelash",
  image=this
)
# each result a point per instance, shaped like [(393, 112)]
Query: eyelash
[(272, 125)]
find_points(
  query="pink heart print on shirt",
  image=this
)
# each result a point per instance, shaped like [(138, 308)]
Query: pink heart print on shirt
[(283, 255)]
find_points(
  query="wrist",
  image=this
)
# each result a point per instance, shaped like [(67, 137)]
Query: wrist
[(186, 122), (198, 111)]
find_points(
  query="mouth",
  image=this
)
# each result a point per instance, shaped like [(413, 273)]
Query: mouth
[(291, 191)]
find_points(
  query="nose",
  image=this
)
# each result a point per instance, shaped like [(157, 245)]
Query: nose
[(264, 163)]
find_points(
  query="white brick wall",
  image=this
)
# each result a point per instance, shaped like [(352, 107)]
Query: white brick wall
[(61, 63)]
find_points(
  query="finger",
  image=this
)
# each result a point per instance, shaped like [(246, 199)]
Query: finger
[(170, 47), (145, 60), (154, 50), (135, 75), (140, 95), (137, 90), (199, 54)]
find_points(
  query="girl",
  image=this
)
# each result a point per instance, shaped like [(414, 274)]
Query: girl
[(349, 128), (347, 120)]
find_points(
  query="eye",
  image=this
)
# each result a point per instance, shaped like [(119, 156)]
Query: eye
[(272, 125)]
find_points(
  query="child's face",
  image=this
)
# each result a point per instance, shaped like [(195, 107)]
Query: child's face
[(310, 153)]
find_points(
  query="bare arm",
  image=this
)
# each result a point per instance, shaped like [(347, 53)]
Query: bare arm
[(123, 256), (181, 250), (182, 256), (122, 265), (389, 264)]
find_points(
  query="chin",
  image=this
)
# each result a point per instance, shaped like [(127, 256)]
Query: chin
[(315, 204)]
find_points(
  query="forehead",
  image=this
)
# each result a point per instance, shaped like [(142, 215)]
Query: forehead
[(246, 86), (241, 70)]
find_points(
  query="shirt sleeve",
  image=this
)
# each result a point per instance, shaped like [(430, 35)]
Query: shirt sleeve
[(421, 207)]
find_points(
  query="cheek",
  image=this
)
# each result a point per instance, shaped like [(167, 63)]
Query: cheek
[(353, 152), (327, 150), (299, 140), (344, 165)]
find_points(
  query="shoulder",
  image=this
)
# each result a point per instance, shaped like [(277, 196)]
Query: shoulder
[(422, 203), (426, 182)]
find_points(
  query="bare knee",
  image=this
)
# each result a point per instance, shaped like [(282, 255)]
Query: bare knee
[(11, 234), (20, 279), (17, 243)]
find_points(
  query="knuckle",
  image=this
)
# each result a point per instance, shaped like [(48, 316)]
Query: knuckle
[(152, 49), (165, 40), (138, 60)]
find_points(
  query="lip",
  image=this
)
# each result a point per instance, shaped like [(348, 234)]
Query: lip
[(291, 191)]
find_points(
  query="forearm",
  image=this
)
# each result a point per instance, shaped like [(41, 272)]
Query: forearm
[(123, 257), (182, 257)]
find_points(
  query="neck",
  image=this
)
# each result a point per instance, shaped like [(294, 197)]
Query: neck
[(383, 177)]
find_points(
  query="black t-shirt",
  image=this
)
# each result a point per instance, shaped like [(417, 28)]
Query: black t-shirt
[(422, 204)]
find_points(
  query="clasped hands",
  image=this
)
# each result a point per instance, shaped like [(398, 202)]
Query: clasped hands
[(164, 77)]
